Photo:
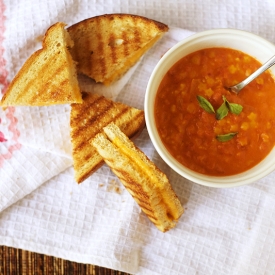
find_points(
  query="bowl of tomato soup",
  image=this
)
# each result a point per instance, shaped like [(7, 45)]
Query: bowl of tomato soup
[(204, 132)]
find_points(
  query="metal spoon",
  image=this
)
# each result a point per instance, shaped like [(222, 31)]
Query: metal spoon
[(236, 88)]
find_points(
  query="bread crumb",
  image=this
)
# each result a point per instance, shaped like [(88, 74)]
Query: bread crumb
[(101, 185), (114, 187)]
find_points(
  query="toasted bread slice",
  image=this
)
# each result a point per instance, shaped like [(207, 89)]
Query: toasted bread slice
[(48, 76), (88, 119), (107, 46), (146, 183)]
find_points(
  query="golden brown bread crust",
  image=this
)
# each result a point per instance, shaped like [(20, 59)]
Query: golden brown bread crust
[(106, 46), (88, 119), (48, 76), (146, 183)]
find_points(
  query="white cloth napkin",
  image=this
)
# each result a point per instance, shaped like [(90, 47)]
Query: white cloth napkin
[(223, 231)]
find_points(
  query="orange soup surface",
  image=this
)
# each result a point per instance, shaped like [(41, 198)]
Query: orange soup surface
[(218, 143)]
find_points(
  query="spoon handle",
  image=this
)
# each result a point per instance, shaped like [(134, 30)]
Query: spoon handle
[(263, 68)]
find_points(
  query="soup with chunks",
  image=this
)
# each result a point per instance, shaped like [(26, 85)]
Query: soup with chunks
[(208, 128)]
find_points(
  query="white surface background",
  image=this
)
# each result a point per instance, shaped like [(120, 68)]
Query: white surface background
[(223, 231)]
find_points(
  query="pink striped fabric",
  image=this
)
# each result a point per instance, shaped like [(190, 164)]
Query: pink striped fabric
[(8, 115)]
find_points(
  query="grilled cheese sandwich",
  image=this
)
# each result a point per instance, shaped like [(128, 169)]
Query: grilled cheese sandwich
[(146, 183), (106, 46), (48, 76)]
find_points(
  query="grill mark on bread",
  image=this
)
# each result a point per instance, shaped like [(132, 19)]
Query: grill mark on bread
[(78, 108), (33, 79), (100, 47), (137, 34), (132, 185), (112, 46), (126, 125), (102, 60), (94, 117), (136, 191), (54, 95), (88, 62), (98, 119), (81, 109), (150, 214), (74, 52), (38, 96), (143, 204), (100, 122), (125, 48), (86, 175), (141, 198), (89, 154), (58, 92)]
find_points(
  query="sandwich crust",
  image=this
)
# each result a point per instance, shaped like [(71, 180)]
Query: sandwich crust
[(106, 46), (48, 76), (88, 119)]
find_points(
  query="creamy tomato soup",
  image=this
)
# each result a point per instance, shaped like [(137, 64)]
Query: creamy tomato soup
[(207, 128)]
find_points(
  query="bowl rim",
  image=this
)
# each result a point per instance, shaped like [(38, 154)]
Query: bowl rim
[(244, 178)]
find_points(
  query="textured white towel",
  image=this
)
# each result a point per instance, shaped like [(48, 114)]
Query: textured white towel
[(230, 231)]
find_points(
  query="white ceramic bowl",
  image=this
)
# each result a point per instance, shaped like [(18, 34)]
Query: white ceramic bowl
[(246, 42)]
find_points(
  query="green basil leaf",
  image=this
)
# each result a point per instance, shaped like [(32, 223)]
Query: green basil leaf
[(225, 137), (235, 108), (205, 104), (222, 111)]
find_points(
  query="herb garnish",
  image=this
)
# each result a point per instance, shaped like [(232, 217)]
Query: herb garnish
[(205, 104), (221, 112), (234, 108), (225, 137)]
